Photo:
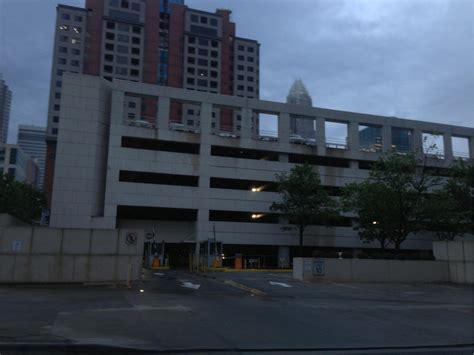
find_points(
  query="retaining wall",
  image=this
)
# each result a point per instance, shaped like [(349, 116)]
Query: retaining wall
[(460, 258), (41, 254)]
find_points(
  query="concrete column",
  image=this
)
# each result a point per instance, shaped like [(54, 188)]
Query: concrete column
[(283, 256), (163, 113), (448, 148), (117, 101), (284, 127), (246, 123), (321, 135), (418, 143), (386, 138), (206, 118), (471, 147), (353, 136), (202, 231)]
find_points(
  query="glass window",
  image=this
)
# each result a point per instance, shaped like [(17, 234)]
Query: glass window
[(241, 57), (77, 30), (75, 40), (190, 111), (121, 71), (203, 62), (203, 51), (59, 72), (214, 44), (109, 57), (58, 83), (370, 138), (240, 77), (136, 30), (250, 88), (109, 35), (250, 78), (56, 119), (250, 59), (194, 18), (123, 38), (124, 4), (76, 51), (54, 131), (213, 74), (78, 18), (214, 54), (190, 70), (56, 107), (401, 139), (134, 72), (213, 22), (136, 50), (122, 60), (214, 64), (63, 38), (213, 84), (202, 72), (135, 61), (135, 7), (191, 60), (108, 68), (135, 40), (240, 87), (110, 25), (190, 122), (57, 95), (109, 46), (203, 19), (62, 50), (250, 49), (114, 3), (250, 69), (75, 63), (123, 27), (202, 82), (203, 41), (62, 61), (65, 16), (122, 49), (191, 39), (190, 81), (241, 48)]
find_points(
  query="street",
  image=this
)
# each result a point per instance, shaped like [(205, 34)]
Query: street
[(235, 312)]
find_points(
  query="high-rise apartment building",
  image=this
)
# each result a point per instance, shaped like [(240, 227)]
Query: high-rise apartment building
[(17, 163), (298, 95), (32, 140), (157, 42), (5, 104)]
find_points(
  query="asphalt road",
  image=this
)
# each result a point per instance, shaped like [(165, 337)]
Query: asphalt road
[(173, 311)]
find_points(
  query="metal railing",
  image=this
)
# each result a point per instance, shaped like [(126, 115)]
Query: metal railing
[(336, 143)]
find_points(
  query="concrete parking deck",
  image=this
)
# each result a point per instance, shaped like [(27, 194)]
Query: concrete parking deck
[(174, 310)]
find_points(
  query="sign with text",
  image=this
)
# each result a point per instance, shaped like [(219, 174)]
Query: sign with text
[(318, 267), (16, 246)]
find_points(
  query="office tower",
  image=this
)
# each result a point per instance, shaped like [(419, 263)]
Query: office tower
[(32, 139), (298, 95), (5, 104), (156, 42), (17, 163)]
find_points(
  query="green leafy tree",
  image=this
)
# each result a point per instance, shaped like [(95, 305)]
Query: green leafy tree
[(303, 200), (451, 211), (20, 199), (390, 204)]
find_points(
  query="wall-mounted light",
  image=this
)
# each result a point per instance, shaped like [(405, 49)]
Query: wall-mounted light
[(375, 222)]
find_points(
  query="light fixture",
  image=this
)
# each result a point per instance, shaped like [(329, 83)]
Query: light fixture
[(375, 222), (254, 189), (254, 216), (141, 291)]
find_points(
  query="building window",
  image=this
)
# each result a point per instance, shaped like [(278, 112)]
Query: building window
[(75, 40), (213, 74), (109, 46), (214, 44), (56, 107), (240, 77), (250, 59), (114, 3), (190, 70), (62, 50), (109, 57), (135, 61), (110, 35), (250, 88), (239, 117), (214, 63), (124, 4), (241, 48), (75, 51), (78, 18), (62, 61), (202, 82), (63, 27), (203, 62), (240, 87), (203, 52), (191, 60), (135, 40), (122, 49), (135, 7), (75, 63), (123, 27), (54, 131), (190, 122), (191, 50), (63, 38), (213, 22), (202, 72), (194, 18), (136, 50), (121, 71), (213, 84), (57, 95), (190, 81), (56, 119), (122, 60), (110, 25), (137, 30), (250, 78), (241, 57), (134, 72), (108, 68), (58, 83), (123, 38), (65, 16), (191, 39), (214, 54), (240, 67), (203, 41), (203, 19), (250, 69), (77, 30)]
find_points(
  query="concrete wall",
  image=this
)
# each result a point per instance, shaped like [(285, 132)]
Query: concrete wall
[(460, 258), (36, 254), (362, 270)]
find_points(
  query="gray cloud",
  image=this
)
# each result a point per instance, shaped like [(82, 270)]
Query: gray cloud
[(411, 59)]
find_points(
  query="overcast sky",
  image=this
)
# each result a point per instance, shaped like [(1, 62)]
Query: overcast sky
[(410, 59)]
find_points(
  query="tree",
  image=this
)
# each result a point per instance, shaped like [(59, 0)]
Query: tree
[(20, 199), (390, 204), (451, 211), (303, 200)]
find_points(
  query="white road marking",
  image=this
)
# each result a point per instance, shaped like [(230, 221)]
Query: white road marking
[(282, 284), (342, 285), (158, 273), (188, 284)]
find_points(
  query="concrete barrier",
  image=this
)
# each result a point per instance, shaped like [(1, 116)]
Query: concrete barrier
[(366, 270), (459, 254), (40, 254)]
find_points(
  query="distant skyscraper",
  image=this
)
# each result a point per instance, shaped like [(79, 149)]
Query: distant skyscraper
[(5, 103), (32, 139), (298, 95)]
